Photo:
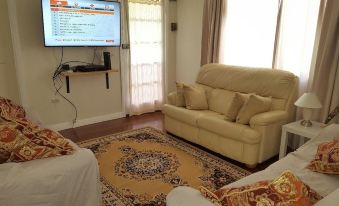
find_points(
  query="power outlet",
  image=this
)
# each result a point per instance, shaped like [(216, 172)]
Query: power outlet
[(55, 100)]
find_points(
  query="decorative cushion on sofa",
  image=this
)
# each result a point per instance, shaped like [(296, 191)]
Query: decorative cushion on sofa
[(327, 158), (23, 141), (195, 97), (235, 106), (336, 135), (9, 110), (180, 99), (287, 189), (255, 104), (2, 120), (10, 138)]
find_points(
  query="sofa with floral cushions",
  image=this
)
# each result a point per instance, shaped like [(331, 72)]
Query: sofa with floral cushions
[(308, 176), (235, 111), (39, 166), (22, 140)]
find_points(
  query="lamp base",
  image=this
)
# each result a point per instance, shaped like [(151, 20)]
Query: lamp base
[(306, 123)]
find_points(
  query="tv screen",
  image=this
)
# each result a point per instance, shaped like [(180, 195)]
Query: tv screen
[(81, 23)]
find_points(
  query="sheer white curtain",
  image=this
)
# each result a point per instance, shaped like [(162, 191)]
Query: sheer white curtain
[(255, 35), (296, 38), (146, 75), (249, 32)]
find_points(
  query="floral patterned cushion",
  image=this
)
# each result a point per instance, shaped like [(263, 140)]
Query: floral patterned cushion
[(285, 190), (9, 110), (327, 158), (23, 141), (10, 138)]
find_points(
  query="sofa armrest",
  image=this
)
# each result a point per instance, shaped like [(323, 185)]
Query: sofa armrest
[(172, 98), (269, 124), (267, 118)]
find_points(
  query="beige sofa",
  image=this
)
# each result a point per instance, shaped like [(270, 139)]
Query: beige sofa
[(249, 144)]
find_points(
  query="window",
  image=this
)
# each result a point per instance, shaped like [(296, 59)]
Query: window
[(296, 37), (255, 36), (249, 32)]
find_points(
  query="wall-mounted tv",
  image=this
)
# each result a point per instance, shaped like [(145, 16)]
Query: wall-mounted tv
[(81, 23)]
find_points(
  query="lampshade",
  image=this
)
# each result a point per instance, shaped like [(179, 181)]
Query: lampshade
[(308, 100)]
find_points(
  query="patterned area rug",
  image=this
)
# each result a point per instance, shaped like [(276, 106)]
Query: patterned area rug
[(140, 167)]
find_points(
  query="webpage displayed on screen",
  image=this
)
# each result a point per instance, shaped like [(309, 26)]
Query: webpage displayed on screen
[(81, 23)]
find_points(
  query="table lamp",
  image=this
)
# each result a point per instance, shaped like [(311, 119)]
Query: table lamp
[(308, 101)]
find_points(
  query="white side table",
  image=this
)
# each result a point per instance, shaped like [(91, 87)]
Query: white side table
[(298, 129)]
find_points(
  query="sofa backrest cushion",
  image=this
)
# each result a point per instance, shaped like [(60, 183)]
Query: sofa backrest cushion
[(219, 100), (264, 82)]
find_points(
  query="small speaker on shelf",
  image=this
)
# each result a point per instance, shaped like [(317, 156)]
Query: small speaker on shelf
[(65, 67), (107, 60)]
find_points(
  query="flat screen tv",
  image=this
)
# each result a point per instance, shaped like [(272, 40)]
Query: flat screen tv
[(81, 23)]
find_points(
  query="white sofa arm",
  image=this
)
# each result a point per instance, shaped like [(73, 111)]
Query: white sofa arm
[(172, 98), (267, 118)]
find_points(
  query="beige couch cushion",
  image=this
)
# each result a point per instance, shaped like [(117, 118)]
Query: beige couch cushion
[(180, 99), (255, 104), (235, 106), (195, 97), (220, 100), (217, 124), (187, 116), (264, 82), (278, 104)]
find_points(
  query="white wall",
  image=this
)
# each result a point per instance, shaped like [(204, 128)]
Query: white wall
[(8, 81), (35, 65), (170, 11), (32, 65), (189, 15)]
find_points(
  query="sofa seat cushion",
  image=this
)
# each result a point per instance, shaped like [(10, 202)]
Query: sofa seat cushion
[(185, 115), (217, 124)]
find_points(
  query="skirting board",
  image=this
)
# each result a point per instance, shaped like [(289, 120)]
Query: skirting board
[(83, 122)]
